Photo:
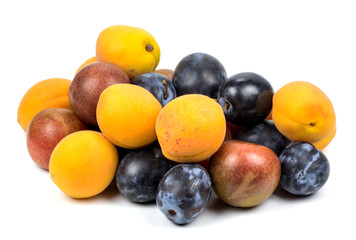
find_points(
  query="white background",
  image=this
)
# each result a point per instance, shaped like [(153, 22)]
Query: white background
[(283, 41)]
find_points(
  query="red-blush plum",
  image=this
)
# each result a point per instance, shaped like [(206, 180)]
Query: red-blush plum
[(88, 84), (244, 174)]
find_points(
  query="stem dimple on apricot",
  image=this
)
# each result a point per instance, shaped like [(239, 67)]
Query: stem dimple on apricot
[(149, 47)]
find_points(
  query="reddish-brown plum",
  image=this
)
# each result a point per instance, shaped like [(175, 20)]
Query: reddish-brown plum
[(244, 174), (88, 84)]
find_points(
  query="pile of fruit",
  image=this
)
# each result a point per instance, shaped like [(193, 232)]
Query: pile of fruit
[(173, 137)]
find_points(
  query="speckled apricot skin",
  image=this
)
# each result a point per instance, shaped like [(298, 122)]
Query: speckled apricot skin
[(190, 128)]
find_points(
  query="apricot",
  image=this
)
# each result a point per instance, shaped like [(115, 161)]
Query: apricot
[(86, 63), (303, 112), (165, 72), (45, 131), (133, 49), (325, 142), (83, 164), (87, 85), (190, 128), (126, 115), (49, 93)]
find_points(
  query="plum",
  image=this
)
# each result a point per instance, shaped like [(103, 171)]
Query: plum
[(305, 169), (246, 98), (140, 171), (88, 84), (244, 174), (184, 192), (46, 130), (157, 84), (199, 73), (266, 134)]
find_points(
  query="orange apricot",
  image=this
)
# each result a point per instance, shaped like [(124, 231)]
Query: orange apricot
[(303, 112), (165, 72), (126, 115), (86, 63), (325, 142), (49, 93), (133, 49), (83, 164), (190, 128)]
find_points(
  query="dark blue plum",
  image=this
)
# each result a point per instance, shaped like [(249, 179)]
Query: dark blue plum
[(246, 98), (158, 84), (184, 193), (304, 169), (199, 73), (139, 173), (265, 134)]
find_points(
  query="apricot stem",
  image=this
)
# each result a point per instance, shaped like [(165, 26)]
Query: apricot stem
[(165, 94), (312, 124), (149, 47)]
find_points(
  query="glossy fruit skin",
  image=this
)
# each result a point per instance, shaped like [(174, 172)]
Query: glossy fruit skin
[(199, 73), (246, 98), (184, 193), (139, 173), (305, 169), (244, 174), (159, 85), (266, 134)]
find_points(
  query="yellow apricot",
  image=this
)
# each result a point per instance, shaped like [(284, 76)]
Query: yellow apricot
[(126, 115), (325, 142), (83, 164), (190, 128), (49, 93), (133, 49), (86, 63), (303, 112)]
